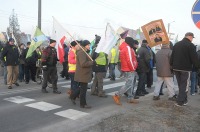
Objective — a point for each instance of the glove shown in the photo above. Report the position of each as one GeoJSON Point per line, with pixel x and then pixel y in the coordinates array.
{"type": "Point", "coordinates": [44, 68]}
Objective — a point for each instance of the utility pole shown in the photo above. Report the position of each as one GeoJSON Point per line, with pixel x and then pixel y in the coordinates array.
{"type": "Point", "coordinates": [39, 13]}
{"type": "Point", "coordinates": [169, 27]}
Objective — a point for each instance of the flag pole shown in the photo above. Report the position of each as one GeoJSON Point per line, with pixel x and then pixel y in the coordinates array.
{"type": "Point", "coordinates": [75, 41]}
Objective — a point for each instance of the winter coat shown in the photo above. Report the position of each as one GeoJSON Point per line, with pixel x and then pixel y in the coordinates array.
{"type": "Point", "coordinates": [12, 55]}
{"type": "Point", "coordinates": [30, 60]}
{"type": "Point", "coordinates": [83, 71]}
{"type": "Point", "coordinates": [163, 62]}
{"type": "Point", "coordinates": [49, 57]}
{"type": "Point", "coordinates": [143, 59]}
{"type": "Point", "coordinates": [184, 56]}
{"type": "Point", "coordinates": [128, 58]}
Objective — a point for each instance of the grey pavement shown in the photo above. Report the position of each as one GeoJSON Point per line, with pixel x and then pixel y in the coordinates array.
{"type": "Point", "coordinates": [25, 108]}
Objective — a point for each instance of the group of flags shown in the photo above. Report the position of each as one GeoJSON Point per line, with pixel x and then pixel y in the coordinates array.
{"type": "Point", "coordinates": [106, 43]}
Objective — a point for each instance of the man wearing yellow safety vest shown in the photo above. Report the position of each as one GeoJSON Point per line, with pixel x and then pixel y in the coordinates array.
{"type": "Point", "coordinates": [100, 72]}
{"type": "Point", "coordinates": [113, 59]}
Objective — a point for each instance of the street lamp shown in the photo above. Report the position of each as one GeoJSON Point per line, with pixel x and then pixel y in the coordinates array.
{"type": "Point", "coordinates": [169, 26]}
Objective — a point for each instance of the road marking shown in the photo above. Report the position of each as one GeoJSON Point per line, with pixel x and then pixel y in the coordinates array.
{"type": "Point", "coordinates": [110, 86]}
{"type": "Point", "coordinates": [105, 80]}
{"type": "Point", "coordinates": [19, 99]}
{"type": "Point", "coordinates": [71, 114]}
{"type": "Point", "coordinates": [43, 106]}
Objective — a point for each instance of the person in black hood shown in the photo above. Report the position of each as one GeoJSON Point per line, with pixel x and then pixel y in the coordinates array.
{"type": "Point", "coordinates": [184, 57]}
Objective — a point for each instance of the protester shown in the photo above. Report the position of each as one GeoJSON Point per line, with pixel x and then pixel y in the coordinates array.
{"type": "Point", "coordinates": [64, 72]}
{"type": "Point", "coordinates": [144, 67]}
{"type": "Point", "coordinates": [100, 72]}
{"type": "Point", "coordinates": [151, 64]}
{"type": "Point", "coordinates": [12, 62]}
{"type": "Point", "coordinates": [83, 73]}
{"type": "Point", "coordinates": [113, 58]}
{"type": "Point", "coordinates": [184, 56]}
{"type": "Point", "coordinates": [21, 63]}
{"type": "Point", "coordinates": [49, 60]}
{"type": "Point", "coordinates": [164, 73]}
{"type": "Point", "coordinates": [128, 66]}
{"type": "Point", "coordinates": [4, 67]}
{"type": "Point", "coordinates": [72, 68]}
{"type": "Point", "coordinates": [30, 64]}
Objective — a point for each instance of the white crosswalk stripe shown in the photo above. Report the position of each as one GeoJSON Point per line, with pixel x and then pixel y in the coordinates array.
{"type": "Point", "coordinates": [43, 106]}
{"type": "Point", "coordinates": [72, 114]}
{"type": "Point", "coordinates": [105, 80]}
{"type": "Point", "coordinates": [19, 99]}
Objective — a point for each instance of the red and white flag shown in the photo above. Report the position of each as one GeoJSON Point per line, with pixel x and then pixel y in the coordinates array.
{"type": "Point", "coordinates": [59, 34]}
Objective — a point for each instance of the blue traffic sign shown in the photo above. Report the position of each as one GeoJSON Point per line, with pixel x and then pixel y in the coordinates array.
{"type": "Point", "coordinates": [196, 13]}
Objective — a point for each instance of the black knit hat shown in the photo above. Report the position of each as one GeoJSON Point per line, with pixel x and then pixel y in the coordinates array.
{"type": "Point", "coordinates": [85, 42]}
{"type": "Point", "coordinates": [73, 43]}
{"type": "Point", "coordinates": [144, 41]}
{"type": "Point", "coordinates": [11, 39]}
{"type": "Point", "coordinates": [52, 41]}
{"type": "Point", "coordinates": [136, 42]}
{"type": "Point", "coordinates": [129, 41]}
{"type": "Point", "coordinates": [28, 43]}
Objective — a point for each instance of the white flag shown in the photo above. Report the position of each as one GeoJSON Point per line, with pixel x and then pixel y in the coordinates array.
{"type": "Point", "coordinates": [59, 34]}
{"type": "Point", "coordinates": [107, 41]}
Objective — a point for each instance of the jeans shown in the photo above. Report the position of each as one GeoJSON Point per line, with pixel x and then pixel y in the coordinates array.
{"type": "Point", "coordinates": [5, 74]}
{"type": "Point", "coordinates": [74, 87]}
{"type": "Point", "coordinates": [112, 70]}
{"type": "Point", "coordinates": [129, 85]}
{"type": "Point", "coordinates": [193, 82]}
{"type": "Point", "coordinates": [21, 72]}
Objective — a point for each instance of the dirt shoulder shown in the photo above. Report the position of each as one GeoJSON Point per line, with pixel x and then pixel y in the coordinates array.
{"type": "Point", "coordinates": [152, 116]}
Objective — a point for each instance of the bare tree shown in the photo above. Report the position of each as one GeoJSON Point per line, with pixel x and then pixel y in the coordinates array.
{"type": "Point", "coordinates": [14, 27]}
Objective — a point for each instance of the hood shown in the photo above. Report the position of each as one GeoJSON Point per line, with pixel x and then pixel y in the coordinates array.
{"type": "Point", "coordinates": [123, 45]}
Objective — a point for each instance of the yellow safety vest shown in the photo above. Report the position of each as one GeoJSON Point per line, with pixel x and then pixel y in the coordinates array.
{"type": "Point", "coordinates": [101, 59]}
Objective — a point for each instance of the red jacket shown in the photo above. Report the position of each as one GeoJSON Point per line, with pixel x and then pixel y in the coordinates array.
{"type": "Point", "coordinates": [127, 57]}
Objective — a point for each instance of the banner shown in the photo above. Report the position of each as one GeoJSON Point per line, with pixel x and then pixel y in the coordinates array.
{"type": "Point", "coordinates": [155, 33]}
{"type": "Point", "coordinates": [107, 41]}
{"type": "Point", "coordinates": [38, 39]}
{"type": "Point", "coordinates": [59, 34]}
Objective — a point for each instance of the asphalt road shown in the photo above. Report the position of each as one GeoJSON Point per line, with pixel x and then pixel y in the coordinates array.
{"type": "Point", "coordinates": [26, 109]}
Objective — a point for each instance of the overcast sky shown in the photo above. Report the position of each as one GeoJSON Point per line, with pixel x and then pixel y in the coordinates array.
{"type": "Point", "coordinates": [89, 17]}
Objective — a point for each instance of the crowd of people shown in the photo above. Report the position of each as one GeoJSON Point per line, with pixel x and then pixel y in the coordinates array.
{"type": "Point", "coordinates": [82, 65]}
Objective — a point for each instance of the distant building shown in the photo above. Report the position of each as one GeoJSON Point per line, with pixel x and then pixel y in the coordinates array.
{"type": "Point", "coordinates": [24, 38]}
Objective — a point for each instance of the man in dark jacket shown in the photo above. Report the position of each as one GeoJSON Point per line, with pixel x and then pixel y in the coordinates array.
{"type": "Point", "coordinates": [49, 60]}
{"type": "Point", "coordinates": [144, 67]}
{"type": "Point", "coordinates": [64, 72]}
{"type": "Point", "coordinates": [30, 64]}
{"type": "Point", "coordinates": [11, 53]}
{"type": "Point", "coordinates": [183, 58]}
